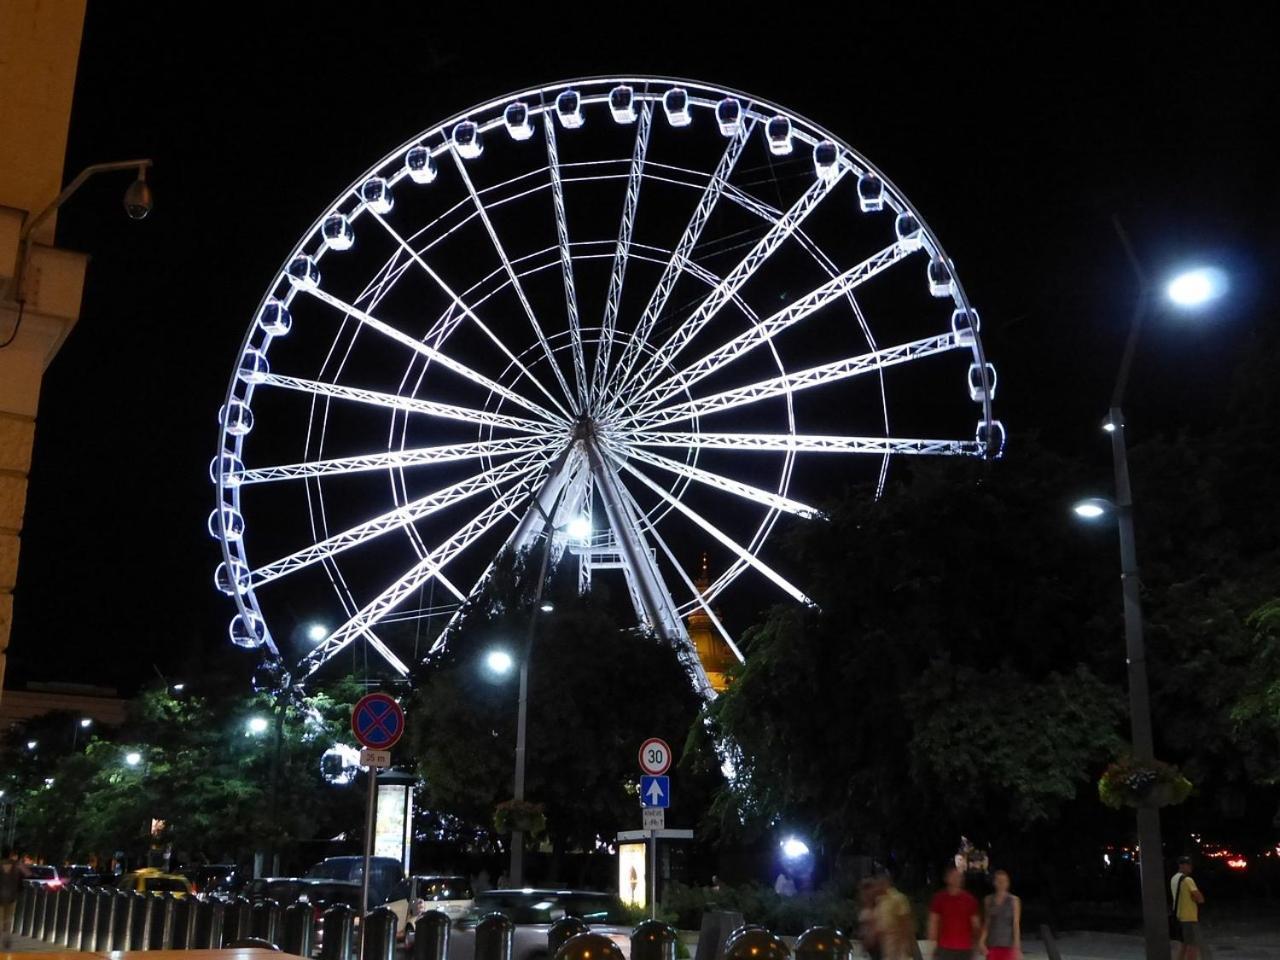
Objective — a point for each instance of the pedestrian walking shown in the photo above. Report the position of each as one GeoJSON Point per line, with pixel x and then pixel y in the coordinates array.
{"type": "Point", "coordinates": [1001, 937]}
{"type": "Point", "coordinates": [868, 935]}
{"type": "Point", "coordinates": [953, 918]}
{"type": "Point", "coordinates": [12, 873]}
{"type": "Point", "coordinates": [1186, 909]}
{"type": "Point", "coordinates": [894, 924]}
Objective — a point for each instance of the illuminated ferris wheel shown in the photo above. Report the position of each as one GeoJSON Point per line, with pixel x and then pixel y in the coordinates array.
{"type": "Point", "coordinates": [634, 319]}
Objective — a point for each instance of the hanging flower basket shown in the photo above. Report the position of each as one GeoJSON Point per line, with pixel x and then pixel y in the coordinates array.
{"type": "Point", "coordinates": [519, 815]}
{"type": "Point", "coordinates": [1140, 783]}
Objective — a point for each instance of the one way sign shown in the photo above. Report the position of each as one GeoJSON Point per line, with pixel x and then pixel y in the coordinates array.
{"type": "Point", "coordinates": [655, 792]}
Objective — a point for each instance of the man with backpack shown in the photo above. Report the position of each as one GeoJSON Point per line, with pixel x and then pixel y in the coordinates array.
{"type": "Point", "coordinates": [1186, 910]}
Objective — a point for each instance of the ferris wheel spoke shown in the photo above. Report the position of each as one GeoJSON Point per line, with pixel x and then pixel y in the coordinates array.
{"type": "Point", "coordinates": [518, 288]}
{"type": "Point", "coordinates": [763, 331]}
{"type": "Point", "coordinates": [652, 532]}
{"type": "Point", "coordinates": [733, 281]}
{"type": "Point", "coordinates": [391, 401]}
{"type": "Point", "coordinates": [609, 324]}
{"type": "Point", "coordinates": [566, 262]}
{"type": "Point", "coordinates": [431, 566]}
{"type": "Point", "coordinates": [399, 518]}
{"type": "Point", "coordinates": [397, 459]}
{"type": "Point", "coordinates": [431, 353]}
{"type": "Point", "coordinates": [716, 185]}
{"type": "Point", "coordinates": [796, 380]}
{"type": "Point", "coordinates": [804, 443]}
{"type": "Point", "coordinates": [741, 552]}
{"type": "Point", "coordinates": [766, 498]}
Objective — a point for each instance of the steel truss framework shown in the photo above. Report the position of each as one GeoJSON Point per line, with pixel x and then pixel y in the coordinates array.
{"type": "Point", "coordinates": [586, 406]}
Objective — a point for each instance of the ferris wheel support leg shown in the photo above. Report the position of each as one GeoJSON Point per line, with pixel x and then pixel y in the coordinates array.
{"type": "Point", "coordinates": [650, 594]}
{"type": "Point", "coordinates": [535, 519]}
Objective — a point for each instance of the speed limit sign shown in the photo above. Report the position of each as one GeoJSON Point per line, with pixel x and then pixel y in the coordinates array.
{"type": "Point", "coordinates": [655, 757]}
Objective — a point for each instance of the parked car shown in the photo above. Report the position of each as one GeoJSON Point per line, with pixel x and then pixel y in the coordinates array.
{"type": "Point", "coordinates": [283, 890]}
{"type": "Point", "coordinates": [46, 875]}
{"type": "Point", "coordinates": [449, 894]}
{"type": "Point", "coordinates": [213, 877]}
{"type": "Point", "coordinates": [533, 912]}
{"type": "Point", "coordinates": [387, 886]}
{"type": "Point", "coordinates": [151, 880]}
{"type": "Point", "coordinates": [82, 874]}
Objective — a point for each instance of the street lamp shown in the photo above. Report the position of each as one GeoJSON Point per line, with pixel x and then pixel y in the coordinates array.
{"type": "Point", "coordinates": [133, 758]}
{"type": "Point", "coordinates": [179, 687]}
{"type": "Point", "coordinates": [317, 632]}
{"type": "Point", "coordinates": [256, 726]}
{"type": "Point", "coordinates": [1092, 509]}
{"type": "Point", "coordinates": [793, 848]}
{"type": "Point", "coordinates": [1188, 289]}
{"type": "Point", "coordinates": [499, 662]}
{"type": "Point", "coordinates": [31, 744]}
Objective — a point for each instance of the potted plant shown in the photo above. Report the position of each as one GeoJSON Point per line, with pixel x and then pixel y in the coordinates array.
{"type": "Point", "coordinates": [1136, 783]}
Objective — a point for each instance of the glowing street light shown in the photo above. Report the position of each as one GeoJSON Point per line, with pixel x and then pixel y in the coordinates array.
{"type": "Point", "coordinates": [1196, 287]}
{"type": "Point", "coordinates": [86, 723]}
{"type": "Point", "coordinates": [499, 662]}
{"type": "Point", "coordinates": [257, 726]}
{"type": "Point", "coordinates": [546, 606]}
{"type": "Point", "coordinates": [317, 632]}
{"type": "Point", "coordinates": [133, 758]}
{"type": "Point", "coordinates": [179, 687]}
{"type": "Point", "coordinates": [31, 744]}
{"type": "Point", "coordinates": [793, 848]}
{"type": "Point", "coordinates": [579, 528]}
{"type": "Point", "coordinates": [1091, 509]}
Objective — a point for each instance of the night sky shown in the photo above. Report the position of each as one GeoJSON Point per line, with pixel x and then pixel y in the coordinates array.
{"type": "Point", "coordinates": [1017, 138]}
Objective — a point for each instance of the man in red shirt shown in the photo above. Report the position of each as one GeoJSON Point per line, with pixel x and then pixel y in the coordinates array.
{"type": "Point", "coordinates": [953, 919]}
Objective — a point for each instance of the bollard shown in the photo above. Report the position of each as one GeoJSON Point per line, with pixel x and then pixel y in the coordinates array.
{"type": "Point", "coordinates": [562, 930]}
{"type": "Point", "coordinates": [299, 929]}
{"type": "Point", "coordinates": [161, 934]}
{"type": "Point", "coordinates": [379, 935]}
{"type": "Point", "coordinates": [335, 932]}
{"type": "Point", "coordinates": [140, 929]}
{"type": "Point", "coordinates": [237, 920]}
{"type": "Point", "coordinates": [655, 940]}
{"type": "Point", "coordinates": [211, 919]}
{"type": "Point", "coordinates": [121, 927]}
{"type": "Point", "coordinates": [1050, 943]}
{"type": "Point", "coordinates": [264, 921]}
{"type": "Point", "coordinates": [431, 936]}
{"type": "Point", "coordinates": [717, 927]}
{"type": "Point", "coordinates": [75, 919]}
{"type": "Point", "coordinates": [103, 941]}
{"type": "Point", "coordinates": [92, 906]}
{"type": "Point", "coordinates": [29, 907]}
{"type": "Point", "coordinates": [57, 908]}
{"type": "Point", "coordinates": [755, 943]}
{"type": "Point", "coordinates": [19, 907]}
{"type": "Point", "coordinates": [823, 943]}
{"type": "Point", "coordinates": [589, 946]}
{"type": "Point", "coordinates": [494, 934]}
{"type": "Point", "coordinates": [180, 927]}
{"type": "Point", "coordinates": [62, 924]}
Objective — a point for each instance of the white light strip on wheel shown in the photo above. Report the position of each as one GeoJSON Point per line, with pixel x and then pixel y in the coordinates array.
{"type": "Point", "coordinates": [740, 274]}
{"type": "Point", "coordinates": [431, 353]}
{"type": "Point", "coordinates": [398, 518]}
{"type": "Point", "coordinates": [739, 551]}
{"type": "Point", "coordinates": [679, 567]}
{"type": "Point", "coordinates": [517, 287]}
{"type": "Point", "coordinates": [397, 459]}
{"type": "Point", "coordinates": [803, 443]}
{"type": "Point", "coordinates": [766, 498]}
{"type": "Point", "coordinates": [797, 380]}
{"type": "Point", "coordinates": [680, 256]}
{"type": "Point", "coordinates": [361, 623]}
{"type": "Point", "coordinates": [566, 264]}
{"type": "Point", "coordinates": [772, 325]}
{"type": "Point", "coordinates": [392, 401]}
{"type": "Point", "coordinates": [616, 275]}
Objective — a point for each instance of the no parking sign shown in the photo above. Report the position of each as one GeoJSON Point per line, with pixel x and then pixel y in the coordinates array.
{"type": "Point", "coordinates": [377, 721]}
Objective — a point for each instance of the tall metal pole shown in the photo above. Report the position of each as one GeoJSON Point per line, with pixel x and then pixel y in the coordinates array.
{"type": "Point", "coordinates": [1150, 843]}
{"type": "Point", "coordinates": [517, 836]}
{"type": "Point", "coordinates": [369, 820]}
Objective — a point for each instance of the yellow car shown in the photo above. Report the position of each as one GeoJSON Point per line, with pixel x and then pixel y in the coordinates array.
{"type": "Point", "coordinates": [151, 880]}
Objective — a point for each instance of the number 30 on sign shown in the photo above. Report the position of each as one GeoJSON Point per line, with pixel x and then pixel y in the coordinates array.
{"type": "Point", "coordinates": [655, 757]}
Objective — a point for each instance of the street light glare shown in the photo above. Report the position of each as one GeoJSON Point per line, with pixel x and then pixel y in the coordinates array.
{"type": "Point", "coordinates": [1195, 288]}
{"type": "Point", "coordinates": [86, 723]}
{"type": "Point", "coordinates": [579, 528]}
{"type": "Point", "coordinates": [257, 725]}
{"type": "Point", "coordinates": [1090, 509]}
{"type": "Point", "coordinates": [499, 661]}
{"type": "Point", "coordinates": [793, 848]}
{"type": "Point", "coordinates": [133, 758]}
{"type": "Point", "coordinates": [31, 744]}
{"type": "Point", "coordinates": [317, 632]}
{"type": "Point", "coordinates": [546, 606]}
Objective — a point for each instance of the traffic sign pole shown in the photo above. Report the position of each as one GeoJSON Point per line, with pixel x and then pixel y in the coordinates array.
{"type": "Point", "coordinates": [378, 723]}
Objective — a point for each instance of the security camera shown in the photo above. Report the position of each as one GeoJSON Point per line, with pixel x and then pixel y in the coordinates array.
{"type": "Point", "coordinates": [137, 199]}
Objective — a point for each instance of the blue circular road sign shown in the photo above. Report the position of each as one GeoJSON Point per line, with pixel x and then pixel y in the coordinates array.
{"type": "Point", "coordinates": [377, 721]}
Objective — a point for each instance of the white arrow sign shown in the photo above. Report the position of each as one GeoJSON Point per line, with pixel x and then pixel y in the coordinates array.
{"type": "Point", "coordinates": [655, 794]}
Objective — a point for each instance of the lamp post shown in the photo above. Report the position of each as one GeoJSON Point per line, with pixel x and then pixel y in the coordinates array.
{"type": "Point", "coordinates": [1189, 289]}
{"type": "Point", "coordinates": [499, 661]}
